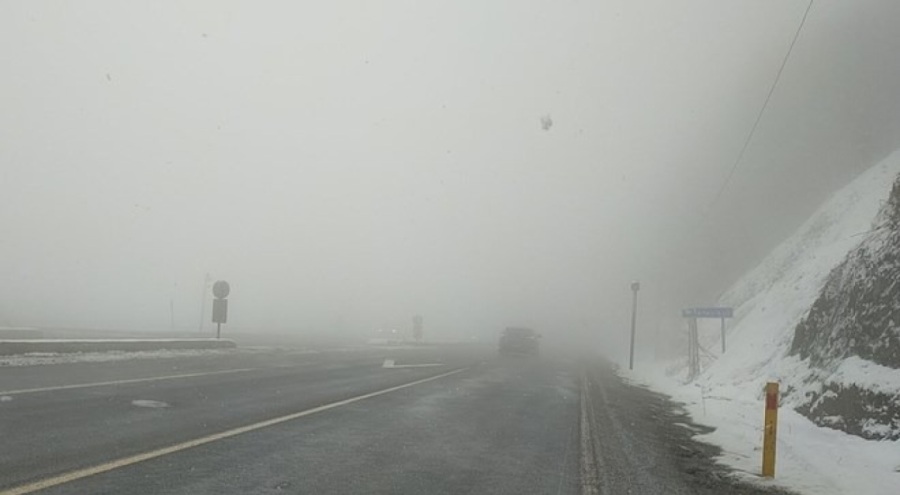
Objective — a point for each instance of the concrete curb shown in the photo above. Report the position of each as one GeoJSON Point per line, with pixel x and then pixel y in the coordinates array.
{"type": "Point", "coordinates": [13, 347]}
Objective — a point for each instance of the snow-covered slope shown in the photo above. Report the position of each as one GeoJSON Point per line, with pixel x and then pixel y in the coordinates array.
{"type": "Point", "coordinates": [851, 336]}
{"type": "Point", "coordinates": [770, 301]}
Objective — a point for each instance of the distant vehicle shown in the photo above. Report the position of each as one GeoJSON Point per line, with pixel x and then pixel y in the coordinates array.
{"type": "Point", "coordinates": [521, 341]}
{"type": "Point", "coordinates": [386, 336]}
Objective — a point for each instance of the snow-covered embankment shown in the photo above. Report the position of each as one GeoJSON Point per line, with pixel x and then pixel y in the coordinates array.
{"type": "Point", "coordinates": [770, 302]}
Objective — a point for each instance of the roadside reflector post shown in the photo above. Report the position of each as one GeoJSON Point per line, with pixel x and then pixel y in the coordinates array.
{"type": "Point", "coordinates": [770, 430]}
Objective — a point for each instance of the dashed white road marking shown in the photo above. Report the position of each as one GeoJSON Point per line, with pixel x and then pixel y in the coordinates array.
{"type": "Point", "coordinates": [127, 461]}
{"type": "Point", "coordinates": [390, 363]}
{"type": "Point", "coordinates": [121, 382]}
{"type": "Point", "coordinates": [153, 404]}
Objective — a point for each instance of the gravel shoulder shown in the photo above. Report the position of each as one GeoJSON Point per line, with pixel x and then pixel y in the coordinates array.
{"type": "Point", "coordinates": [644, 443]}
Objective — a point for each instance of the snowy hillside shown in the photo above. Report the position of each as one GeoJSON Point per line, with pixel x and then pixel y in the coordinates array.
{"type": "Point", "coordinates": [770, 302]}
{"type": "Point", "coordinates": [771, 299]}
{"type": "Point", "coordinates": [851, 336]}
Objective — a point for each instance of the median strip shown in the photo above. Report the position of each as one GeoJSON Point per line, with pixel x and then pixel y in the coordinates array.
{"type": "Point", "coordinates": [127, 461]}
{"type": "Point", "coordinates": [120, 382]}
{"type": "Point", "coordinates": [20, 347]}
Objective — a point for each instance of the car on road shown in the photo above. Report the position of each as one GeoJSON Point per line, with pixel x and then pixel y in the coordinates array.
{"type": "Point", "coordinates": [519, 341]}
{"type": "Point", "coordinates": [386, 336]}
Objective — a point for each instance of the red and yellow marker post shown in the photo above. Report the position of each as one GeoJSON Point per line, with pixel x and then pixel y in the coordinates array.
{"type": "Point", "coordinates": [770, 430]}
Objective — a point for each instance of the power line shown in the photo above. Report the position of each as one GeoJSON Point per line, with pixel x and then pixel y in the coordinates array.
{"type": "Point", "coordinates": [762, 110]}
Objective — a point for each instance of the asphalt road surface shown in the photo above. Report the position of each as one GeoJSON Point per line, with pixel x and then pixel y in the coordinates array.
{"type": "Point", "coordinates": [445, 419]}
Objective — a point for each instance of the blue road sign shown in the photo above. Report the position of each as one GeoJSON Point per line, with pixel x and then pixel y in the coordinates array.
{"type": "Point", "coordinates": [707, 312]}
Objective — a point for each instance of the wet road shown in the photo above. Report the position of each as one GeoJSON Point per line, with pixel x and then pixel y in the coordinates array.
{"type": "Point", "coordinates": [447, 419]}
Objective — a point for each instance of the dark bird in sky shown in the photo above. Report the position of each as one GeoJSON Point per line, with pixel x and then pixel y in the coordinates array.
{"type": "Point", "coordinates": [546, 122]}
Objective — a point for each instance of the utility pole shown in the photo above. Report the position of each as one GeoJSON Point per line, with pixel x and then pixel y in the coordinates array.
{"type": "Point", "coordinates": [635, 287]}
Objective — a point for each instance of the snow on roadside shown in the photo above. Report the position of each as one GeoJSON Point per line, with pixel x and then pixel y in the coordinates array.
{"type": "Point", "coordinates": [769, 301]}
{"type": "Point", "coordinates": [868, 375]}
{"type": "Point", "coordinates": [810, 459]}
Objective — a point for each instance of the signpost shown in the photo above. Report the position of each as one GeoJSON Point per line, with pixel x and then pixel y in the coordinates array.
{"type": "Point", "coordinates": [221, 289]}
{"type": "Point", "coordinates": [707, 312]}
{"type": "Point", "coordinates": [692, 314]}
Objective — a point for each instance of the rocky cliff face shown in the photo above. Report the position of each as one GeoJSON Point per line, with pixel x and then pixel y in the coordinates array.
{"type": "Point", "coordinates": [857, 317]}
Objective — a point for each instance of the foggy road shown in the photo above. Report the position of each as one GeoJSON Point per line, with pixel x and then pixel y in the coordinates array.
{"type": "Point", "coordinates": [448, 419]}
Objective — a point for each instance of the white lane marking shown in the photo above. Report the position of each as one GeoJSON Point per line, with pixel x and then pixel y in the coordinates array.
{"type": "Point", "coordinates": [5, 398]}
{"type": "Point", "coordinates": [390, 363]}
{"type": "Point", "coordinates": [127, 461]}
{"type": "Point", "coordinates": [589, 474]}
{"type": "Point", "coordinates": [153, 404]}
{"type": "Point", "coordinates": [121, 382]}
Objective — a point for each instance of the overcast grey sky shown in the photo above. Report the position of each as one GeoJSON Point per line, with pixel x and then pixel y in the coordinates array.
{"type": "Point", "coordinates": [348, 164]}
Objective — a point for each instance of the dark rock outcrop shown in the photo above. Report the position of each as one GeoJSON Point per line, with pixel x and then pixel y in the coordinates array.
{"type": "Point", "coordinates": [857, 313]}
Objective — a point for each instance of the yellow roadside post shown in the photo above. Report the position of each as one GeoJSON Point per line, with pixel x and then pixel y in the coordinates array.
{"type": "Point", "coordinates": [770, 430]}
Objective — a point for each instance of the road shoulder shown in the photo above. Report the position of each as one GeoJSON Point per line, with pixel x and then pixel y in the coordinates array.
{"type": "Point", "coordinates": [642, 440]}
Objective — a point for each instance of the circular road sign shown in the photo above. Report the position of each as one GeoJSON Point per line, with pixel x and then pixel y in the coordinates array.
{"type": "Point", "coordinates": [221, 289]}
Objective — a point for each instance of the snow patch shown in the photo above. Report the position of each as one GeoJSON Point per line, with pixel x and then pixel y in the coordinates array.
{"type": "Point", "coordinates": [811, 459]}
{"type": "Point", "coordinates": [868, 375]}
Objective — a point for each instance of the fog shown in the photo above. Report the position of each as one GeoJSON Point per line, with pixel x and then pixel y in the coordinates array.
{"type": "Point", "coordinates": [345, 165]}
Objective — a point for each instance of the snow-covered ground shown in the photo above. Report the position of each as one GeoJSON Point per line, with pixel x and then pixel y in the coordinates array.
{"type": "Point", "coordinates": [769, 301]}
{"type": "Point", "coordinates": [810, 459]}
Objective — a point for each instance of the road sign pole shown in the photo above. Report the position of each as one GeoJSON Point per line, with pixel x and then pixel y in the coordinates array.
{"type": "Point", "coordinates": [635, 286]}
{"type": "Point", "coordinates": [693, 350]}
{"type": "Point", "coordinates": [692, 314]}
{"type": "Point", "coordinates": [221, 289]}
{"type": "Point", "coordinates": [695, 353]}
{"type": "Point", "coordinates": [723, 335]}
{"type": "Point", "coordinates": [690, 349]}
